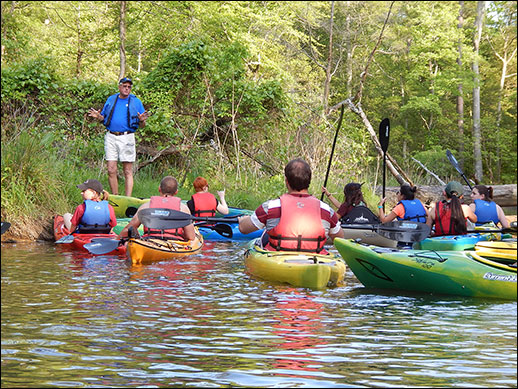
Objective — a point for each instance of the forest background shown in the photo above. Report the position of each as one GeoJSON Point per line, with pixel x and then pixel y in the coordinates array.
{"type": "Point", "coordinates": [238, 88]}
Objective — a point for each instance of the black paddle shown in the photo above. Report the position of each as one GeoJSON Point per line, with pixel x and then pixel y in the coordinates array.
{"type": "Point", "coordinates": [5, 227]}
{"type": "Point", "coordinates": [223, 229]}
{"type": "Point", "coordinates": [333, 149]}
{"type": "Point", "coordinates": [398, 230]}
{"type": "Point", "coordinates": [455, 164]}
{"type": "Point", "coordinates": [164, 219]}
{"type": "Point", "coordinates": [384, 132]}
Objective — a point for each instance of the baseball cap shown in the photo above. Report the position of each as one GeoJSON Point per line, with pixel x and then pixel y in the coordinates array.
{"type": "Point", "coordinates": [91, 184]}
{"type": "Point", "coordinates": [454, 187]}
{"type": "Point", "coordinates": [125, 79]}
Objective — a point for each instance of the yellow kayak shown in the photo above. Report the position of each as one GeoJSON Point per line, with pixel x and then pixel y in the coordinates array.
{"type": "Point", "coordinates": [147, 250]}
{"type": "Point", "coordinates": [497, 249]}
{"type": "Point", "coordinates": [299, 269]}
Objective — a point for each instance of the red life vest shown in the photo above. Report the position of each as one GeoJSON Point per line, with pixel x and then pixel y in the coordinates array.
{"type": "Point", "coordinates": [443, 221]}
{"type": "Point", "coordinates": [169, 202]}
{"type": "Point", "coordinates": [205, 204]}
{"type": "Point", "coordinates": [300, 226]}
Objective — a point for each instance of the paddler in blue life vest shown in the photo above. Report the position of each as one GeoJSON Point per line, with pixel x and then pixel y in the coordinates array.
{"type": "Point", "coordinates": [485, 208]}
{"type": "Point", "coordinates": [407, 207]}
{"type": "Point", "coordinates": [296, 221]}
{"type": "Point", "coordinates": [203, 203]}
{"type": "Point", "coordinates": [93, 215]}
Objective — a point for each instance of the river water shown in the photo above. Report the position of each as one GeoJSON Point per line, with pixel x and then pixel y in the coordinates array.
{"type": "Point", "coordinates": [76, 320]}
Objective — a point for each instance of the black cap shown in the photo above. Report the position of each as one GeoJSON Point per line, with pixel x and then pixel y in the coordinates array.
{"type": "Point", "coordinates": [91, 184]}
{"type": "Point", "coordinates": [125, 79]}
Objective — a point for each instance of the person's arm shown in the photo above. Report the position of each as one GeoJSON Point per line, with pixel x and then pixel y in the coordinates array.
{"type": "Point", "coordinates": [431, 216]}
{"type": "Point", "coordinates": [392, 214]}
{"type": "Point", "coordinates": [468, 213]}
{"type": "Point", "coordinates": [188, 230]}
{"type": "Point", "coordinates": [331, 198]}
{"type": "Point", "coordinates": [95, 114]}
{"type": "Point", "coordinates": [134, 222]}
{"type": "Point", "coordinates": [245, 224]}
{"type": "Point", "coordinates": [222, 206]}
{"type": "Point", "coordinates": [113, 218]}
{"type": "Point", "coordinates": [501, 217]}
{"type": "Point", "coordinates": [336, 232]}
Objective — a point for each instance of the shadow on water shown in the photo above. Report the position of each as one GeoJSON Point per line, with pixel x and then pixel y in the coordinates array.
{"type": "Point", "coordinates": [72, 319]}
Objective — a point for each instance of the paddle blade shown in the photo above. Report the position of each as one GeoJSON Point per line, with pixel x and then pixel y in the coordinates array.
{"type": "Point", "coordinates": [5, 226]}
{"type": "Point", "coordinates": [100, 246]}
{"type": "Point", "coordinates": [224, 230]}
{"type": "Point", "coordinates": [384, 132]}
{"type": "Point", "coordinates": [66, 239]}
{"type": "Point", "coordinates": [404, 231]}
{"type": "Point", "coordinates": [454, 162]}
{"type": "Point", "coordinates": [163, 218]}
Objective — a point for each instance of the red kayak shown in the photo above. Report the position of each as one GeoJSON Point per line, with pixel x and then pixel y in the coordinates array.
{"type": "Point", "coordinates": [79, 240]}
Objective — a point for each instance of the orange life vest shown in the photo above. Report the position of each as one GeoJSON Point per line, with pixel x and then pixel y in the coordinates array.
{"type": "Point", "coordinates": [205, 204]}
{"type": "Point", "coordinates": [300, 225]}
{"type": "Point", "coordinates": [169, 202]}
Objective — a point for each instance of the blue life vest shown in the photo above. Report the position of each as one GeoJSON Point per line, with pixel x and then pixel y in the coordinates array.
{"type": "Point", "coordinates": [414, 210]}
{"type": "Point", "coordinates": [96, 218]}
{"type": "Point", "coordinates": [132, 114]}
{"type": "Point", "coordinates": [486, 212]}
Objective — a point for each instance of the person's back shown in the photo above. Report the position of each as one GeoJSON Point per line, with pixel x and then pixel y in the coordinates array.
{"type": "Point", "coordinates": [485, 208]}
{"type": "Point", "coordinates": [407, 207]}
{"type": "Point", "coordinates": [297, 221]}
{"type": "Point", "coordinates": [450, 216]}
{"type": "Point", "coordinates": [203, 203]}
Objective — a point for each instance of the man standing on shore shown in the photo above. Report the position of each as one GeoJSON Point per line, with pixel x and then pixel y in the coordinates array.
{"type": "Point", "coordinates": [122, 114]}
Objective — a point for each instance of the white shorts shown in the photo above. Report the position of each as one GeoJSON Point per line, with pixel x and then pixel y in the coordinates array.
{"type": "Point", "coordinates": [119, 147]}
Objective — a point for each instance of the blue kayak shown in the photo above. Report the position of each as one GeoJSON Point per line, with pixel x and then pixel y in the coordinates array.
{"type": "Point", "coordinates": [211, 235]}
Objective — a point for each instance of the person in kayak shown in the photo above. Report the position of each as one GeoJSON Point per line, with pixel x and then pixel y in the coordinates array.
{"type": "Point", "coordinates": [93, 215]}
{"type": "Point", "coordinates": [450, 216]}
{"type": "Point", "coordinates": [407, 207]}
{"type": "Point", "coordinates": [203, 203]}
{"type": "Point", "coordinates": [485, 208]}
{"type": "Point", "coordinates": [296, 221]}
{"type": "Point", "coordinates": [168, 189]}
{"type": "Point", "coordinates": [354, 209]}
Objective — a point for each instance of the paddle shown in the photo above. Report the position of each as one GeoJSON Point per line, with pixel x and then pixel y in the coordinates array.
{"type": "Point", "coordinates": [99, 246]}
{"type": "Point", "coordinates": [221, 228]}
{"type": "Point", "coordinates": [398, 230]}
{"type": "Point", "coordinates": [5, 226]}
{"type": "Point", "coordinates": [333, 148]}
{"type": "Point", "coordinates": [455, 164]}
{"type": "Point", "coordinates": [384, 132]}
{"type": "Point", "coordinates": [164, 219]}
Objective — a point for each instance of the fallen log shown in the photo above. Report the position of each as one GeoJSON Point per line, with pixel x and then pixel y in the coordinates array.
{"type": "Point", "coordinates": [503, 195]}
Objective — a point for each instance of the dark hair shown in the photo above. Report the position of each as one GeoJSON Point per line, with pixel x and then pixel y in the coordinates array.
{"type": "Point", "coordinates": [169, 185]}
{"type": "Point", "coordinates": [353, 194]}
{"type": "Point", "coordinates": [486, 191]}
{"type": "Point", "coordinates": [298, 174]}
{"type": "Point", "coordinates": [407, 191]}
{"type": "Point", "coordinates": [457, 216]}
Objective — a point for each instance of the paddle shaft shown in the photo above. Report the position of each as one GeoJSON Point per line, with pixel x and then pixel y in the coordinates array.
{"type": "Point", "coordinates": [384, 133]}
{"type": "Point", "coordinates": [333, 149]}
{"type": "Point", "coordinates": [456, 165]}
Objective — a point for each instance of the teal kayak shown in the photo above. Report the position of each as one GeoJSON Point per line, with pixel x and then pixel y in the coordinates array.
{"type": "Point", "coordinates": [462, 273]}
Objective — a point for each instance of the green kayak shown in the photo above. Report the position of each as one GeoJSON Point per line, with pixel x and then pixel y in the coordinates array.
{"type": "Point", "coordinates": [462, 273]}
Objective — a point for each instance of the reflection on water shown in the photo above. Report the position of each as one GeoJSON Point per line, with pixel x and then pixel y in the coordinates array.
{"type": "Point", "coordinates": [75, 320]}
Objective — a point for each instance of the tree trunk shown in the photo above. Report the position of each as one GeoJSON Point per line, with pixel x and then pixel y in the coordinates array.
{"type": "Point", "coordinates": [460, 97]}
{"type": "Point", "coordinates": [122, 35]}
{"type": "Point", "coordinates": [327, 83]}
{"type": "Point", "coordinates": [476, 92]}
{"type": "Point", "coordinates": [503, 195]}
